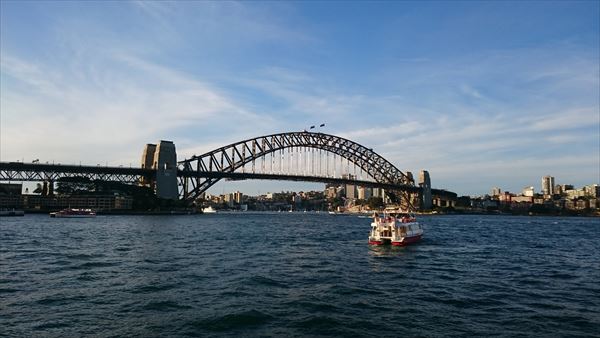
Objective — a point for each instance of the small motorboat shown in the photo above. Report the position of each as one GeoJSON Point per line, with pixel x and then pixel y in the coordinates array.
{"type": "Point", "coordinates": [74, 213]}
{"type": "Point", "coordinates": [395, 229]}
{"type": "Point", "coordinates": [209, 210]}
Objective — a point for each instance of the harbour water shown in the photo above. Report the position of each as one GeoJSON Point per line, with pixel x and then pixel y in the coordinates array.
{"type": "Point", "coordinates": [297, 274]}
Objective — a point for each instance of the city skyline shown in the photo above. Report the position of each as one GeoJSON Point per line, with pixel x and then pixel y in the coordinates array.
{"type": "Point", "coordinates": [479, 94]}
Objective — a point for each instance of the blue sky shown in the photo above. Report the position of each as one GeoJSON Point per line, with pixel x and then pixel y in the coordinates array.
{"type": "Point", "coordinates": [481, 94]}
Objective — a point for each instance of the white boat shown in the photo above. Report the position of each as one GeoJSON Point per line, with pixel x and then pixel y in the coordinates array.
{"type": "Point", "coordinates": [209, 210]}
{"type": "Point", "coordinates": [398, 230]}
{"type": "Point", "coordinates": [74, 213]}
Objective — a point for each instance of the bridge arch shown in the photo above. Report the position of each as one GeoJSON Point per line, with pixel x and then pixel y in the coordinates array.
{"type": "Point", "coordinates": [232, 157]}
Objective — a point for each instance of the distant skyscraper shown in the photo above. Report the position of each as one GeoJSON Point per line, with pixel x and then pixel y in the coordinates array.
{"type": "Point", "coordinates": [425, 184]}
{"type": "Point", "coordinates": [364, 193]}
{"type": "Point", "coordinates": [548, 185]}
{"type": "Point", "coordinates": [351, 192]}
{"type": "Point", "coordinates": [237, 197]}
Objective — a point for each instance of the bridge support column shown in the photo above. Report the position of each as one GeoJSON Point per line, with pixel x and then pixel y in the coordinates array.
{"type": "Point", "coordinates": [165, 163]}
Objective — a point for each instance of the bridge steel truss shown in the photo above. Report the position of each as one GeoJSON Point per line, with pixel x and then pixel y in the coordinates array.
{"type": "Point", "coordinates": [18, 171]}
{"type": "Point", "coordinates": [195, 177]}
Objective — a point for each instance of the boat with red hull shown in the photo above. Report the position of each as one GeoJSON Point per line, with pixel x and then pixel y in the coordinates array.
{"type": "Point", "coordinates": [398, 230]}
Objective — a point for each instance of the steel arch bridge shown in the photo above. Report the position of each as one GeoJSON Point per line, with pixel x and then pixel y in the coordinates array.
{"type": "Point", "coordinates": [196, 173]}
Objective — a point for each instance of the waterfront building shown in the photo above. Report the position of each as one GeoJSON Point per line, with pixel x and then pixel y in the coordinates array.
{"type": "Point", "coordinates": [496, 191]}
{"type": "Point", "coordinates": [378, 192]}
{"type": "Point", "coordinates": [548, 185]}
{"type": "Point", "coordinates": [528, 191]}
{"type": "Point", "coordinates": [574, 193]}
{"type": "Point", "coordinates": [592, 190]}
{"type": "Point", "coordinates": [41, 202]}
{"type": "Point", "coordinates": [558, 190]}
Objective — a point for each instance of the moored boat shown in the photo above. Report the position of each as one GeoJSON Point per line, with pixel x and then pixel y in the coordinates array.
{"type": "Point", "coordinates": [209, 210]}
{"type": "Point", "coordinates": [73, 213]}
{"type": "Point", "coordinates": [398, 230]}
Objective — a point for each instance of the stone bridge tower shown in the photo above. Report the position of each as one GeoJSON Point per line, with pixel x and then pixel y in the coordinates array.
{"type": "Point", "coordinates": [163, 159]}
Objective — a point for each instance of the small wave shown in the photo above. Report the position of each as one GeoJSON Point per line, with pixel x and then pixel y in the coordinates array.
{"type": "Point", "coordinates": [312, 306]}
{"type": "Point", "coordinates": [59, 300]}
{"type": "Point", "coordinates": [82, 256]}
{"type": "Point", "coordinates": [153, 288]}
{"type": "Point", "coordinates": [346, 290]}
{"type": "Point", "coordinates": [86, 277]}
{"type": "Point", "coordinates": [8, 290]}
{"type": "Point", "coordinates": [234, 293]}
{"type": "Point", "coordinates": [233, 321]}
{"type": "Point", "coordinates": [320, 324]}
{"type": "Point", "coordinates": [265, 281]}
{"type": "Point", "coordinates": [165, 306]}
{"type": "Point", "coordinates": [91, 265]}
{"type": "Point", "coordinates": [50, 325]}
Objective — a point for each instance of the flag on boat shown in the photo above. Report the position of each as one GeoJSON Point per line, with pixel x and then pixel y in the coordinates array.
{"type": "Point", "coordinates": [312, 127]}
{"type": "Point", "coordinates": [322, 125]}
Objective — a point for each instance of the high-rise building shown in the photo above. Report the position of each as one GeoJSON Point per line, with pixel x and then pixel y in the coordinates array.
{"type": "Point", "coordinates": [237, 197]}
{"type": "Point", "coordinates": [350, 188]}
{"type": "Point", "coordinates": [364, 193]}
{"type": "Point", "coordinates": [496, 191]}
{"type": "Point", "coordinates": [548, 185]}
{"type": "Point", "coordinates": [425, 184]}
{"type": "Point", "coordinates": [377, 192]}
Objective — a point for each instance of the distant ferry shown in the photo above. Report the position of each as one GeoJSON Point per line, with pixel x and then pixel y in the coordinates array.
{"type": "Point", "coordinates": [397, 230]}
{"type": "Point", "coordinates": [209, 210]}
{"type": "Point", "coordinates": [73, 213]}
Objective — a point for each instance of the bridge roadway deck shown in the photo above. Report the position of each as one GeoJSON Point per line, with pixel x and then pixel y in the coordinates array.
{"type": "Point", "coordinates": [19, 171]}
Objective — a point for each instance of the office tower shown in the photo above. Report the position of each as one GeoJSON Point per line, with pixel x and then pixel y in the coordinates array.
{"type": "Point", "coordinates": [548, 185]}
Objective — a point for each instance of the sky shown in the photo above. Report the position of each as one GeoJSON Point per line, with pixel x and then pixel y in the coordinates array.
{"type": "Point", "coordinates": [481, 94]}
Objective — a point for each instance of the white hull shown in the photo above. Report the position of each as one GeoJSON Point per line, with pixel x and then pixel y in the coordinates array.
{"type": "Point", "coordinates": [395, 231]}
{"type": "Point", "coordinates": [209, 210]}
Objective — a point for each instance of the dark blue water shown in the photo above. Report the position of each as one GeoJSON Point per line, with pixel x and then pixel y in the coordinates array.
{"type": "Point", "coordinates": [296, 274]}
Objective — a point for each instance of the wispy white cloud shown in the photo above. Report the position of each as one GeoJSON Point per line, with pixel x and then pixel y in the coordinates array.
{"type": "Point", "coordinates": [64, 117]}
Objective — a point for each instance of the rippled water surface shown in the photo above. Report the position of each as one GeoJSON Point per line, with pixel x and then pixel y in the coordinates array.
{"type": "Point", "coordinates": [293, 274]}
